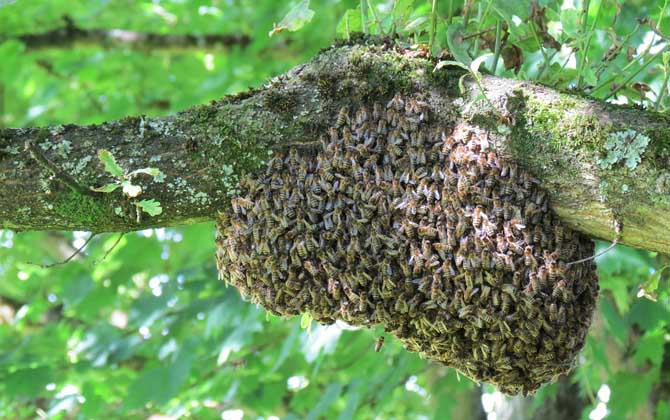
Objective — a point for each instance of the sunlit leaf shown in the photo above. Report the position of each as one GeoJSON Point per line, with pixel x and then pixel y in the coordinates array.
{"type": "Point", "coordinates": [130, 189]}
{"type": "Point", "coordinates": [330, 394]}
{"type": "Point", "coordinates": [457, 45]}
{"type": "Point", "coordinates": [349, 23]}
{"type": "Point", "coordinates": [650, 347]}
{"type": "Point", "coordinates": [107, 188]}
{"type": "Point", "coordinates": [151, 207]}
{"type": "Point", "coordinates": [295, 19]}
{"type": "Point", "coordinates": [649, 287]}
{"type": "Point", "coordinates": [110, 164]}
{"type": "Point", "coordinates": [402, 9]}
{"type": "Point", "coordinates": [149, 171]}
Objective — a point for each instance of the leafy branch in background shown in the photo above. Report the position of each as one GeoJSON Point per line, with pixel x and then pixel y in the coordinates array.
{"type": "Point", "coordinates": [124, 180]}
{"type": "Point", "coordinates": [297, 17]}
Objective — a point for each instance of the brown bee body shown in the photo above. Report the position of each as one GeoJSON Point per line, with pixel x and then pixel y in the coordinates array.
{"type": "Point", "coordinates": [379, 343]}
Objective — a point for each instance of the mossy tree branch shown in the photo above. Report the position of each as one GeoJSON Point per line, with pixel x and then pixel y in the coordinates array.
{"type": "Point", "coordinates": [598, 162]}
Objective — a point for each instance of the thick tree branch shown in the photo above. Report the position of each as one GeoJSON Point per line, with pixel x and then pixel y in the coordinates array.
{"type": "Point", "coordinates": [598, 162]}
{"type": "Point", "coordinates": [71, 35]}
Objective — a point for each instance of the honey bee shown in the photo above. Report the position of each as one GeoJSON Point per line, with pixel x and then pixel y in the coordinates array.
{"type": "Point", "coordinates": [559, 234]}
{"type": "Point", "coordinates": [469, 293]}
{"type": "Point", "coordinates": [477, 217]}
{"type": "Point", "coordinates": [342, 117]}
{"type": "Point", "coordinates": [553, 312]}
{"type": "Point", "coordinates": [533, 285]}
{"type": "Point", "coordinates": [490, 228]}
{"type": "Point", "coordinates": [396, 103]}
{"type": "Point", "coordinates": [466, 311]}
{"type": "Point", "coordinates": [401, 305]}
{"type": "Point", "coordinates": [501, 243]}
{"type": "Point", "coordinates": [379, 343]}
{"type": "Point", "coordinates": [552, 269]}
{"type": "Point", "coordinates": [240, 205]}
{"type": "Point", "coordinates": [506, 303]}
{"type": "Point", "coordinates": [311, 268]}
{"type": "Point", "coordinates": [561, 291]}
{"type": "Point", "coordinates": [529, 259]}
{"type": "Point", "coordinates": [462, 186]}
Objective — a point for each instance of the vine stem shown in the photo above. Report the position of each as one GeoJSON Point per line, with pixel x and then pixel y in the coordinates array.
{"type": "Point", "coordinates": [433, 25]}
{"type": "Point", "coordinates": [364, 15]}
{"type": "Point", "coordinates": [496, 54]}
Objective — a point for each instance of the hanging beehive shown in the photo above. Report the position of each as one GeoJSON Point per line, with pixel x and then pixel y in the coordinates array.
{"type": "Point", "coordinates": [424, 229]}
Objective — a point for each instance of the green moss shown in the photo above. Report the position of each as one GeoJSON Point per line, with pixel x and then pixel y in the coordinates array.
{"type": "Point", "coordinates": [80, 209]}
{"type": "Point", "coordinates": [568, 122]}
{"type": "Point", "coordinates": [280, 102]}
{"type": "Point", "coordinates": [327, 85]}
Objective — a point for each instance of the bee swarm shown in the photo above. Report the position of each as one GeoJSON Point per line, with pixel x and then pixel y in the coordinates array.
{"type": "Point", "coordinates": [401, 222]}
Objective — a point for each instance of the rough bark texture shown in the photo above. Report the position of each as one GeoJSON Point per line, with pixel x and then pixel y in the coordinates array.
{"type": "Point", "coordinates": [598, 162]}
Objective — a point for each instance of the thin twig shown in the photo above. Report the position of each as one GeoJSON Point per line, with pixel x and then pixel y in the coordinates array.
{"type": "Point", "coordinates": [56, 171]}
{"type": "Point", "coordinates": [110, 249]}
{"type": "Point", "coordinates": [617, 230]}
{"type": "Point", "coordinates": [68, 259]}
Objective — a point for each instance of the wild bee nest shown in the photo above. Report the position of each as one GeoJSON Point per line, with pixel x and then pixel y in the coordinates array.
{"type": "Point", "coordinates": [400, 222]}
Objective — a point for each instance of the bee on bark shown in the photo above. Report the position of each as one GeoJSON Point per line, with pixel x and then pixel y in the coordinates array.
{"type": "Point", "coordinates": [311, 268]}
{"type": "Point", "coordinates": [397, 103]}
{"type": "Point", "coordinates": [533, 285]}
{"type": "Point", "coordinates": [553, 312]}
{"type": "Point", "coordinates": [561, 291]}
{"type": "Point", "coordinates": [529, 259]}
{"type": "Point", "coordinates": [240, 205]}
{"type": "Point", "coordinates": [342, 117]}
{"type": "Point", "coordinates": [506, 303]}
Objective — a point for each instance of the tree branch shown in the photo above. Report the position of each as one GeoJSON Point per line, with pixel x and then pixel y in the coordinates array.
{"type": "Point", "coordinates": [70, 35]}
{"type": "Point", "coordinates": [599, 163]}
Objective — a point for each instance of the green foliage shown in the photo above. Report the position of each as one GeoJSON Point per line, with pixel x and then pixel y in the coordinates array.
{"type": "Point", "coordinates": [295, 19]}
{"type": "Point", "coordinates": [124, 181]}
{"type": "Point", "coordinates": [138, 325]}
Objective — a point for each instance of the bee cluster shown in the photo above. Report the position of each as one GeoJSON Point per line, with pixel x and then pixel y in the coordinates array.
{"type": "Point", "coordinates": [397, 221]}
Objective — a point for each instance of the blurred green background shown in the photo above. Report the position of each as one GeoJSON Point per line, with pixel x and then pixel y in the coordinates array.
{"type": "Point", "coordinates": [146, 331]}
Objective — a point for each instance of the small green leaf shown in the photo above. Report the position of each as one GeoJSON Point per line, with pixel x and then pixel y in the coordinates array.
{"type": "Point", "coordinates": [350, 22]}
{"type": "Point", "coordinates": [305, 320]}
{"type": "Point", "coordinates": [295, 19]}
{"type": "Point", "coordinates": [328, 397]}
{"type": "Point", "coordinates": [149, 171]}
{"type": "Point", "coordinates": [131, 190]}
{"type": "Point", "coordinates": [415, 25]}
{"type": "Point", "coordinates": [445, 63]}
{"type": "Point", "coordinates": [650, 347]}
{"type": "Point", "coordinates": [151, 207]}
{"type": "Point", "coordinates": [402, 10]}
{"type": "Point", "coordinates": [107, 188]}
{"type": "Point", "coordinates": [109, 161]}
{"type": "Point", "coordinates": [457, 46]}
{"type": "Point", "coordinates": [649, 287]}
{"type": "Point", "coordinates": [477, 62]}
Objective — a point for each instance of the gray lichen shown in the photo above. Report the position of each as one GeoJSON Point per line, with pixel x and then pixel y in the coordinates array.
{"type": "Point", "coordinates": [624, 146]}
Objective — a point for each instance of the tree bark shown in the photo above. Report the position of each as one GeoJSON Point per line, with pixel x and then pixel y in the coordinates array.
{"type": "Point", "coordinates": [598, 162]}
